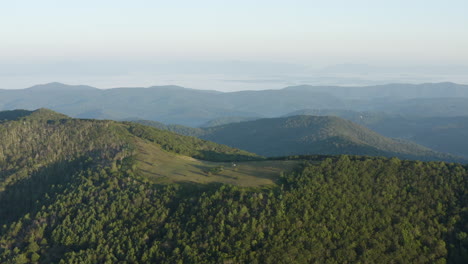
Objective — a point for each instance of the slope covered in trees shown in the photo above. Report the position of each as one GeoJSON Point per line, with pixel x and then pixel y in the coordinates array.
{"type": "Point", "coordinates": [339, 211]}
{"type": "Point", "coordinates": [316, 135]}
{"type": "Point", "coordinates": [306, 135]}
{"type": "Point", "coordinates": [444, 134]}
{"type": "Point", "coordinates": [41, 148]}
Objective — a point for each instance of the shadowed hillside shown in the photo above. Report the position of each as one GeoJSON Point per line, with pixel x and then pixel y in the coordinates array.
{"type": "Point", "coordinates": [443, 134]}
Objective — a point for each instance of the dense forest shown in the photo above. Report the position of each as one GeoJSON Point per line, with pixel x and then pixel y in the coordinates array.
{"type": "Point", "coordinates": [80, 199]}
{"type": "Point", "coordinates": [368, 211]}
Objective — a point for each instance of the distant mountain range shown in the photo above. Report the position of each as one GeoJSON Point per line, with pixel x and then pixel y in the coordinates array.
{"type": "Point", "coordinates": [433, 115]}
{"type": "Point", "coordinates": [178, 105]}
{"type": "Point", "coordinates": [307, 135]}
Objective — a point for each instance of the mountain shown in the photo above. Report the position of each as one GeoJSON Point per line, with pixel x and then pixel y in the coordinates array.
{"type": "Point", "coordinates": [309, 135]}
{"type": "Point", "coordinates": [60, 87]}
{"type": "Point", "coordinates": [42, 148]}
{"type": "Point", "coordinates": [444, 134]}
{"type": "Point", "coordinates": [99, 191]}
{"type": "Point", "coordinates": [44, 138]}
{"type": "Point", "coordinates": [178, 105]}
{"type": "Point", "coordinates": [164, 103]}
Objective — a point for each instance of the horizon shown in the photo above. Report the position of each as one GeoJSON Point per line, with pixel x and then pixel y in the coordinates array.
{"type": "Point", "coordinates": [232, 46]}
{"type": "Point", "coordinates": [190, 88]}
{"type": "Point", "coordinates": [237, 76]}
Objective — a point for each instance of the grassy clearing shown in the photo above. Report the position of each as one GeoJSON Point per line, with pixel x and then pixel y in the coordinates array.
{"type": "Point", "coordinates": [164, 167]}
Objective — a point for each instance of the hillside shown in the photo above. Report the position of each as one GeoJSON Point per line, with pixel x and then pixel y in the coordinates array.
{"type": "Point", "coordinates": [40, 149]}
{"type": "Point", "coordinates": [40, 141]}
{"type": "Point", "coordinates": [31, 139]}
{"type": "Point", "coordinates": [443, 134]}
{"type": "Point", "coordinates": [315, 135]}
{"type": "Point", "coordinates": [99, 191]}
{"type": "Point", "coordinates": [330, 135]}
{"type": "Point", "coordinates": [347, 210]}
{"type": "Point", "coordinates": [178, 105]}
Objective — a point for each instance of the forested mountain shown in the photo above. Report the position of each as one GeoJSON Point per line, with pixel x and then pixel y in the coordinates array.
{"type": "Point", "coordinates": [41, 148]}
{"type": "Point", "coordinates": [302, 135]}
{"type": "Point", "coordinates": [42, 143]}
{"type": "Point", "coordinates": [178, 105]}
{"type": "Point", "coordinates": [98, 191]}
{"type": "Point", "coordinates": [443, 134]}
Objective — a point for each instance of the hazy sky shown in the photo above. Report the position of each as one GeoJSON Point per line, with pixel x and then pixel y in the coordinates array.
{"type": "Point", "coordinates": [40, 37]}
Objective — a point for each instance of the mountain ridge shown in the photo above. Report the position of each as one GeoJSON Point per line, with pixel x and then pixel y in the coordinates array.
{"type": "Point", "coordinates": [178, 105]}
{"type": "Point", "coordinates": [308, 135]}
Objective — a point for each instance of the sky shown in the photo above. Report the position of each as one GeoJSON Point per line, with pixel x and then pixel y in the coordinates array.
{"type": "Point", "coordinates": [143, 42]}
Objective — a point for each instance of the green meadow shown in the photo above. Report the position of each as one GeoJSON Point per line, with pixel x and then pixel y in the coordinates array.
{"type": "Point", "coordinates": [161, 166]}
